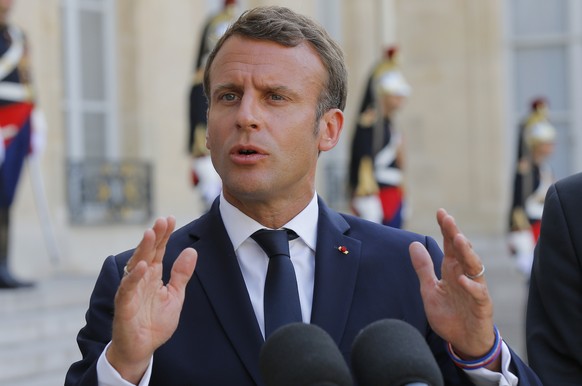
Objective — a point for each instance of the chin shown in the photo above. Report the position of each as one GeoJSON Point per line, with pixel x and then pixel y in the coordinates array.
{"type": "Point", "coordinates": [243, 187]}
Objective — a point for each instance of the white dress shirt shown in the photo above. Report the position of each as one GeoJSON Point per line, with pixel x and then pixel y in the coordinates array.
{"type": "Point", "coordinates": [253, 262]}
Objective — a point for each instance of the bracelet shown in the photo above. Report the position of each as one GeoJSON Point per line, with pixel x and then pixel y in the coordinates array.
{"type": "Point", "coordinates": [486, 360]}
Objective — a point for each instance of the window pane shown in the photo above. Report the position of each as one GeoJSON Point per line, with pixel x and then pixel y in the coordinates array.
{"type": "Point", "coordinates": [535, 17]}
{"type": "Point", "coordinates": [560, 160]}
{"type": "Point", "coordinates": [65, 50]}
{"type": "Point", "coordinates": [92, 55]}
{"type": "Point", "coordinates": [94, 134]}
{"type": "Point", "coordinates": [542, 72]}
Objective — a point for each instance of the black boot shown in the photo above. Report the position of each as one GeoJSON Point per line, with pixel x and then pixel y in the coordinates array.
{"type": "Point", "coordinates": [7, 281]}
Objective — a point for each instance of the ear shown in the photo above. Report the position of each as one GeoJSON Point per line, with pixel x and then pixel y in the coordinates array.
{"type": "Point", "coordinates": [330, 128]}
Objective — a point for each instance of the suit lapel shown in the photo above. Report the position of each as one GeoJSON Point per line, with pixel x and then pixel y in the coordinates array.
{"type": "Point", "coordinates": [220, 276]}
{"type": "Point", "coordinates": [335, 272]}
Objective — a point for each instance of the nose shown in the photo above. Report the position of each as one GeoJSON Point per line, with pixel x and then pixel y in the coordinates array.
{"type": "Point", "coordinates": [248, 115]}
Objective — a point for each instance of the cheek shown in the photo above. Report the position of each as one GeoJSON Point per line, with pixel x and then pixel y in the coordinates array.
{"type": "Point", "coordinates": [549, 149]}
{"type": "Point", "coordinates": [212, 131]}
{"type": "Point", "coordinates": [302, 141]}
{"type": "Point", "coordinates": [213, 140]}
{"type": "Point", "coordinates": [208, 139]}
{"type": "Point", "coordinates": [304, 148]}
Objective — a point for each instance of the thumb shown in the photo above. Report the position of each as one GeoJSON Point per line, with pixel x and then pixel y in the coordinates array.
{"type": "Point", "coordinates": [422, 263]}
{"type": "Point", "coordinates": [183, 268]}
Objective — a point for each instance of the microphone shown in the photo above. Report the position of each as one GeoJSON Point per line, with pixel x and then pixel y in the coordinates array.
{"type": "Point", "coordinates": [300, 354]}
{"type": "Point", "coordinates": [391, 352]}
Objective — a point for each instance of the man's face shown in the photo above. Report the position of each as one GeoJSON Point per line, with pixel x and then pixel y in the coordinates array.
{"type": "Point", "coordinates": [391, 103]}
{"type": "Point", "coordinates": [261, 120]}
{"type": "Point", "coordinates": [543, 150]}
{"type": "Point", "coordinates": [5, 6]}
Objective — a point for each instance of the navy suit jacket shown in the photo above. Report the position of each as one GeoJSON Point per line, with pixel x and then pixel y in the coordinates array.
{"type": "Point", "coordinates": [218, 339]}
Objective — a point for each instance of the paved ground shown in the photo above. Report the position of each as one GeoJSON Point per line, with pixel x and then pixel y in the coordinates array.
{"type": "Point", "coordinates": [42, 323]}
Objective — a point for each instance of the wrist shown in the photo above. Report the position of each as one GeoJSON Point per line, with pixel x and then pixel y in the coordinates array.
{"type": "Point", "coordinates": [486, 361]}
{"type": "Point", "coordinates": [131, 371]}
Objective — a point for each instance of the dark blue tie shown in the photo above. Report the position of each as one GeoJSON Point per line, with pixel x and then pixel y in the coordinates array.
{"type": "Point", "coordinates": [281, 300]}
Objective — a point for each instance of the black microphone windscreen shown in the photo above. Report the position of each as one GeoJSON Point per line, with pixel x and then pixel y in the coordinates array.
{"type": "Point", "coordinates": [391, 352]}
{"type": "Point", "coordinates": [300, 354]}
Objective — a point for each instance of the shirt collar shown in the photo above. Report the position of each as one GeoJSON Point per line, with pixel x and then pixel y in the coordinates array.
{"type": "Point", "coordinates": [240, 226]}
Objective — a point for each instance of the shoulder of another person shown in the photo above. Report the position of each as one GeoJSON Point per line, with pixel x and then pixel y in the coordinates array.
{"type": "Point", "coordinates": [571, 182]}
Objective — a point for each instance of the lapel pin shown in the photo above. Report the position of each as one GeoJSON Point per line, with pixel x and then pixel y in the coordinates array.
{"type": "Point", "coordinates": [343, 249]}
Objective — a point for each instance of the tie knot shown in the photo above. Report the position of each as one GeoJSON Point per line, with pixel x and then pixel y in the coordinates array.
{"type": "Point", "coordinates": [274, 242]}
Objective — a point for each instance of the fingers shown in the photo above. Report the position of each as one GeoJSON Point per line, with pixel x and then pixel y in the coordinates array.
{"type": "Point", "coordinates": [128, 285]}
{"type": "Point", "coordinates": [422, 263]}
{"type": "Point", "coordinates": [470, 262]}
{"type": "Point", "coordinates": [183, 269]}
{"type": "Point", "coordinates": [182, 272]}
{"type": "Point", "coordinates": [153, 243]}
{"type": "Point", "coordinates": [163, 227]}
{"type": "Point", "coordinates": [448, 227]}
{"type": "Point", "coordinates": [457, 246]}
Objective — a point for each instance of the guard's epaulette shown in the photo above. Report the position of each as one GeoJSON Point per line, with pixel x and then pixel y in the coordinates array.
{"type": "Point", "coordinates": [535, 117]}
{"type": "Point", "coordinates": [367, 118]}
{"type": "Point", "coordinates": [198, 76]}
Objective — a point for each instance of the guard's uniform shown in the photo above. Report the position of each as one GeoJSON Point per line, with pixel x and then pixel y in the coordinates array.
{"type": "Point", "coordinates": [376, 175]}
{"type": "Point", "coordinates": [16, 114]}
{"type": "Point", "coordinates": [533, 177]}
{"type": "Point", "coordinates": [376, 180]}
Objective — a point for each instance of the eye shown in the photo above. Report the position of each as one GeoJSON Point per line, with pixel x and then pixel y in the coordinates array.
{"type": "Point", "coordinates": [228, 97]}
{"type": "Point", "coordinates": [277, 97]}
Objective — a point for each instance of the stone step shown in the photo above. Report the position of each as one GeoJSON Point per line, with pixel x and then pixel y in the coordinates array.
{"type": "Point", "coordinates": [48, 293]}
{"type": "Point", "coordinates": [47, 378]}
{"type": "Point", "coordinates": [45, 324]}
{"type": "Point", "coordinates": [35, 358]}
{"type": "Point", "coordinates": [38, 327]}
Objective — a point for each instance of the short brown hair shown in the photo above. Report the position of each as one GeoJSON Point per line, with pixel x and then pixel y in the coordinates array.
{"type": "Point", "coordinates": [283, 26]}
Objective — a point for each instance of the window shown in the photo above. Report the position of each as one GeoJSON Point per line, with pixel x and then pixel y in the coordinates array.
{"type": "Point", "coordinates": [101, 187]}
{"type": "Point", "coordinates": [89, 76]}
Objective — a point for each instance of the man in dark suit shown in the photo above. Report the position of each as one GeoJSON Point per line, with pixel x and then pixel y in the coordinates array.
{"type": "Point", "coordinates": [554, 310]}
{"type": "Point", "coordinates": [276, 86]}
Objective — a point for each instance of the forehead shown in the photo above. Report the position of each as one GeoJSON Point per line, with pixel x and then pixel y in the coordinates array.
{"type": "Point", "coordinates": [266, 61]}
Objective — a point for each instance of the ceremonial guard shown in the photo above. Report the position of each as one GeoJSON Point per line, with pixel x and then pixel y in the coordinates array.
{"type": "Point", "coordinates": [17, 115]}
{"type": "Point", "coordinates": [376, 181]}
{"type": "Point", "coordinates": [204, 177]}
{"type": "Point", "coordinates": [533, 177]}
{"type": "Point", "coordinates": [538, 113]}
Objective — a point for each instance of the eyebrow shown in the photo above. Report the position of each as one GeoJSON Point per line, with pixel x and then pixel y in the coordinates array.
{"type": "Point", "coordinates": [274, 89]}
{"type": "Point", "coordinates": [283, 90]}
{"type": "Point", "coordinates": [224, 87]}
